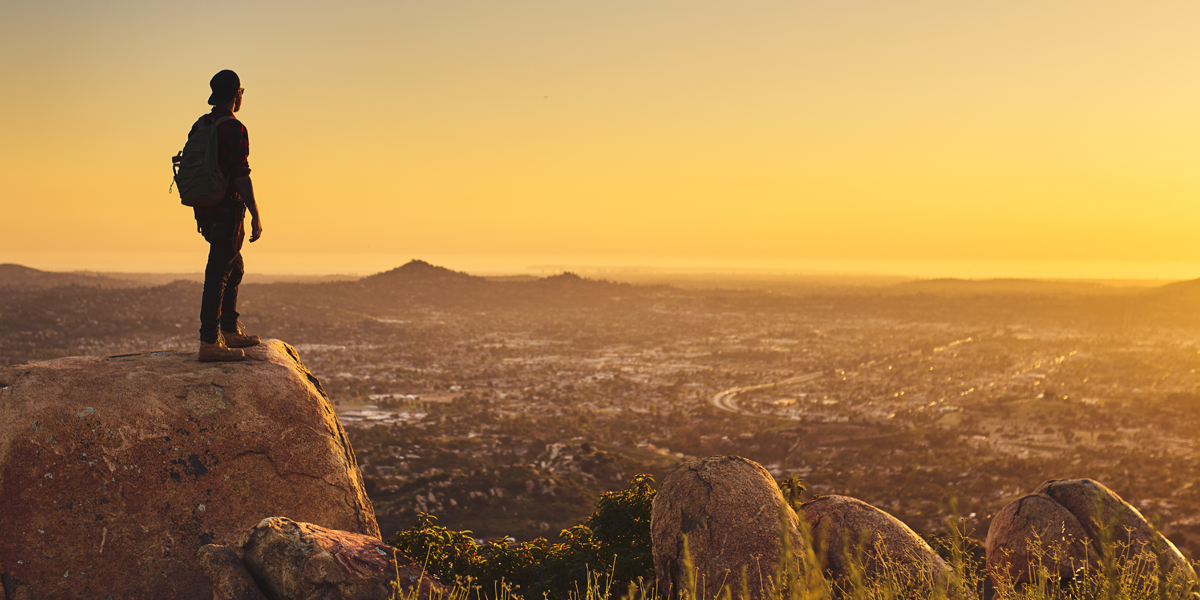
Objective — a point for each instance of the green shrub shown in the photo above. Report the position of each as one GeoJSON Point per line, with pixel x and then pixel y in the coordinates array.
{"type": "Point", "coordinates": [614, 541]}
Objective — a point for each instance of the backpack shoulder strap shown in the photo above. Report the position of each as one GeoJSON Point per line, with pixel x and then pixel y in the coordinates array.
{"type": "Point", "coordinates": [201, 121]}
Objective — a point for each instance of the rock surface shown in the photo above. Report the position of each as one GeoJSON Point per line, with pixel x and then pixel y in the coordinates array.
{"type": "Point", "coordinates": [301, 561]}
{"type": "Point", "coordinates": [840, 524]}
{"type": "Point", "coordinates": [114, 471]}
{"type": "Point", "coordinates": [1094, 504]}
{"type": "Point", "coordinates": [733, 515]}
{"type": "Point", "coordinates": [1072, 513]}
{"type": "Point", "coordinates": [1061, 541]}
{"type": "Point", "coordinates": [229, 578]}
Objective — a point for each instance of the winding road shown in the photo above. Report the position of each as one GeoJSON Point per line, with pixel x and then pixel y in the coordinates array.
{"type": "Point", "coordinates": [726, 400]}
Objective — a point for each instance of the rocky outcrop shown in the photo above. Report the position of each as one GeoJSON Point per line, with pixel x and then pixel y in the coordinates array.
{"type": "Point", "coordinates": [844, 528]}
{"type": "Point", "coordinates": [734, 519]}
{"type": "Point", "coordinates": [302, 561]}
{"type": "Point", "coordinates": [1068, 520]}
{"type": "Point", "coordinates": [114, 471]}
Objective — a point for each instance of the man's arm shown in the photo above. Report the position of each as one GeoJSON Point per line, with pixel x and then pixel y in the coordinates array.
{"type": "Point", "coordinates": [246, 191]}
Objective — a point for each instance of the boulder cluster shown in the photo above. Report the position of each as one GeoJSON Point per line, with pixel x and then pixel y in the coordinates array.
{"type": "Point", "coordinates": [721, 521]}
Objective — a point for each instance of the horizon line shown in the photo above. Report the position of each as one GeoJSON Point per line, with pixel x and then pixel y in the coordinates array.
{"type": "Point", "coordinates": [508, 266]}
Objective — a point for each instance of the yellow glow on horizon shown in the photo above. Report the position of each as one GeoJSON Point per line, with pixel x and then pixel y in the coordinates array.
{"type": "Point", "coordinates": [799, 133]}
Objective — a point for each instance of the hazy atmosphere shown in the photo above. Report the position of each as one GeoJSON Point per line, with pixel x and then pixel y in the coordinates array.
{"type": "Point", "coordinates": [600, 300]}
{"type": "Point", "coordinates": [931, 138]}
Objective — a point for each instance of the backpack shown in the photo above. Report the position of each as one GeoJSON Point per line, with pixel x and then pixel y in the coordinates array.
{"type": "Point", "coordinates": [197, 173]}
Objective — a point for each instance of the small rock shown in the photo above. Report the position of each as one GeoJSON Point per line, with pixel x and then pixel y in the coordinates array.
{"type": "Point", "coordinates": [302, 561]}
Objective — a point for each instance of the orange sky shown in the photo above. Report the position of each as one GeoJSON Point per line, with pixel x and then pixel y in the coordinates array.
{"type": "Point", "coordinates": [973, 139]}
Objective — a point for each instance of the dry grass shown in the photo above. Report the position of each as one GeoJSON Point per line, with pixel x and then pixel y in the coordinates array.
{"type": "Point", "coordinates": [1122, 573]}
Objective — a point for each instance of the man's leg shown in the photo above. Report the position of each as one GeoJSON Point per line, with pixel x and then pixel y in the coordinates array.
{"type": "Point", "coordinates": [230, 330]}
{"type": "Point", "coordinates": [229, 313]}
{"type": "Point", "coordinates": [223, 248]}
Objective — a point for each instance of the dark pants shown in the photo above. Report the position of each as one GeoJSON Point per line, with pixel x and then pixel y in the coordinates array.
{"type": "Point", "coordinates": [222, 276]}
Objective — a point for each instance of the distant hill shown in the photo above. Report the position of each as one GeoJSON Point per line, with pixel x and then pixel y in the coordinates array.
{"type": "Point", "coordinates": [1177, 301]}
{"type": "Point", "coordinates": [419, 271]}
{"type": "Point", "coordinates": [1179, 288]}
{"type": "Point", "coordinates": [13, 275]}
{"type": "Point", "coordinates": [1007, 287]}
{"type": "Point", "coordinates": [418, 284]}
{"type": "Point", "coordinates": [571, 286]}
{"type": "Point", "coordinates": [414, 285]}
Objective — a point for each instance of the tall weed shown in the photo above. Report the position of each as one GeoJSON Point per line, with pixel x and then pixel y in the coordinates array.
{"type": "Point", "coordinates": [506, 571]}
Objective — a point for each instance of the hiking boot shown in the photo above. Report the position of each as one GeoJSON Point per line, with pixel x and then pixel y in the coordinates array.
{"type": "Point", "coordinates": [218, 352]}
{"type": "Point", "coordinates": [238, 339]}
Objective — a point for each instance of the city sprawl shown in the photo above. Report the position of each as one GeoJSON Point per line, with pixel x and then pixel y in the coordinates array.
{"type": "Point", "coordinates": [507, 405]}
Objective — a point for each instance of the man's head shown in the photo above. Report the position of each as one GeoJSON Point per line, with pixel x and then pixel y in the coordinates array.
{"type": "Point", "coordinates": [226, 90]}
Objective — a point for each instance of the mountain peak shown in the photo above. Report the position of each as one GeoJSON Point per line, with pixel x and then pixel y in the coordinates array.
{"type": "Point", "coordinates": [19, 275]}
{"type": "Point", "coordinates": [419, 269]}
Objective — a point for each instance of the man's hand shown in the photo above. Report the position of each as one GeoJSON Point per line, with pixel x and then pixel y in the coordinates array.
{"type": "Point", "coordinates": [246, 191]}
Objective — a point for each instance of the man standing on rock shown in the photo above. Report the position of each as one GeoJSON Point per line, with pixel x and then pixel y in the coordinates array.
{"type": "Point", "coordinates": [221, 336]}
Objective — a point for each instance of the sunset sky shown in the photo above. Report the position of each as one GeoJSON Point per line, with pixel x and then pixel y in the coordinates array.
{"type": "Point", "coordinates": [929, 138]}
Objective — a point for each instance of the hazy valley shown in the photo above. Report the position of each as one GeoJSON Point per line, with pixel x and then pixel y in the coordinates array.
{"type": "Point", "coordinates": [505, 405]}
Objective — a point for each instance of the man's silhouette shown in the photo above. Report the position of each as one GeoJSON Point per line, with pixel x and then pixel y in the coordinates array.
{"type": "Point", "coordinates": [221, 336]}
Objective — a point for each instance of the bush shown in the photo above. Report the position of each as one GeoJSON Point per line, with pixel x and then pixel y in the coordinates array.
{"type": "Point", "coordinates": [615, 541]}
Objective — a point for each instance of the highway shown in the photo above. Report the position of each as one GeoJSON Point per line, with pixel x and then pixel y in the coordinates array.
{"type": "Point", "coordinates": [727, 400]}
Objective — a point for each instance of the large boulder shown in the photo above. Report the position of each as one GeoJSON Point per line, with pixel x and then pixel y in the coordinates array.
{"type": "Point", "coordinates": [302, 561]}
{"type": "Point", "coordinates": [1098, 507]}
{"type": "Point", "coordinates": [735, 521]}
{"type": "Point", "coordinates": [1034, 533]}
{"type": "Point", "coordinates": [845, 528]}
{"type": "Point", "coordinates": [114, 471]}
{"type": "Point", "coordinates": [1070, 521]}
